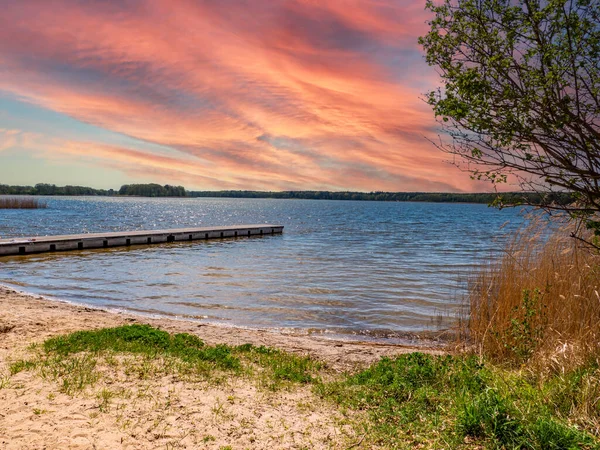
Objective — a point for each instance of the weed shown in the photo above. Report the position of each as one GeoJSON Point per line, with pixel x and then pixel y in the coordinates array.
{"type": "Point", "coordinates": [492, 415]}
{"type": "Point", "coordinates": [20, 365]}
{"type": "Point", "coordinates": [281, 368]}
{"type": "Point", "coordinates": [71, 359]}
{"type": "Point", "coordinates": [527, 325]}
{"type": "Point", "coordinates": [553, 435]}
{"type": "Point", "coordinates": [4, 382]}
{"type": "Point", "coordinates": [74, 373]}
{"type": "Point", "coordinates": [105, 397]}
{"type": "Point", "coordinates": [218, 408]}
{"type": "Point", "coordinates": [409, 401]}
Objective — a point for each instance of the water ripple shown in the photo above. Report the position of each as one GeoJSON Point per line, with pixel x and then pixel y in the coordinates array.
{"type": "Point", "coordinates": [360, 268]}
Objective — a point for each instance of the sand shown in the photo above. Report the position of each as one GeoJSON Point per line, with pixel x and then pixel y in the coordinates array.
{"type": "Point", "coordinates": [162, 411]}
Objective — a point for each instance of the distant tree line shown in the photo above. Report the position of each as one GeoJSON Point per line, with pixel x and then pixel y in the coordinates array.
{"type": "Point", "coordinates": [51, 189]}
{"type": "Point", "coordinates": [141, 190]}
{"type": "Point", "coordinates": [438, 197]}
{"type": "Point", "coordinates": [156, 190]}
{"type": "Point", "coordinates": [152, 190]}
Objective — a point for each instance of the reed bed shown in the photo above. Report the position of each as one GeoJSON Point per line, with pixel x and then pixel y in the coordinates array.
{"type": "Point", "coordinates": [539, 303]}
{"type": "Point", "coordinates": [21, 203]}
{"type": "Point", "coordinates": [535, 312]}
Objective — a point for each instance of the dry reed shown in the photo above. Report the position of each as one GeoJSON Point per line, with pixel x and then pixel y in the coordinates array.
{"type": "Point", "coordinates": [21, 203]}
{"type": "Point", "coordinates": [539, 303]}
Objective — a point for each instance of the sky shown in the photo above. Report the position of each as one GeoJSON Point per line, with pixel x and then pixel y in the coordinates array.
{"type": "Point", "coordinates": [227, 94]}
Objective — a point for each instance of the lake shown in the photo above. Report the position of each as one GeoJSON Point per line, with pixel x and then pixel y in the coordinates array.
{"type": "Point", "coordinates": [362, 270]}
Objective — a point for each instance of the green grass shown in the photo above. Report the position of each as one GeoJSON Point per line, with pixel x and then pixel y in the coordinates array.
{"type": "Point", "coordinates": [144, 340]}
{"type": "Point", "coordinates": [281, 368]}
{"type": "Point", "coordinates": [413, 400]}
{"type": "Point", "coordinates": [448, 401]}
{"type": "Point", "coordinates": [21, 365]}
{"type": "Point", "coordinates": [72, 359]}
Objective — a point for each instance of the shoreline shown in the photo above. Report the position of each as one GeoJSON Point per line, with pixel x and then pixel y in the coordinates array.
{"type": "Point", "coordinates": [426, 339]}
{"type": "Point", "coordinates": [136, 405]}
{"type": "Point", "coordinates": [33, 318]}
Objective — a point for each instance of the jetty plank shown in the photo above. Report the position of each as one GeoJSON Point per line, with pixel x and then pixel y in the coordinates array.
{"type": "Point", "coordinates": [42, 244]}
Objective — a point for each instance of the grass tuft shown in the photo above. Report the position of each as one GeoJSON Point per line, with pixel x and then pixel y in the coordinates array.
{"type": "Point", "coordinates": [20, 366]}
{"type": "Point", "coordinates": [71, 359]}
{"type": "Point", "coordinates": [145, 340]}
{"type": "Point", "coordinates": [281, 367]}
{"type": "Point", "coordinates": [491, 415]}
{"type": "Point", "coordinates": [553, 435]}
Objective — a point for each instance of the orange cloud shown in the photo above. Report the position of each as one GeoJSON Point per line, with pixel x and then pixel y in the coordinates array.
{"type": "Point", "coordinates": [247, 95]}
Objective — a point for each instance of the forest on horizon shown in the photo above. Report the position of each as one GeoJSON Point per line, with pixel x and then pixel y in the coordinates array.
{"type": "Point", "coordinates": [157, 190]}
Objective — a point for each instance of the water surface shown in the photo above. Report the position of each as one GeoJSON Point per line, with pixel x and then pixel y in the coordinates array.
{"type": "Point", "coordinates": [377, 269]}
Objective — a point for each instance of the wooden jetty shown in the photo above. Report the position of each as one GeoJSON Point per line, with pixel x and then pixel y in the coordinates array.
{"type": "Point", "coordinates": [42, 244]}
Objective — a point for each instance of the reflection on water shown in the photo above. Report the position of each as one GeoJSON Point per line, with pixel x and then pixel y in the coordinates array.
{"type": "Point", "coordinates": [365, 268]}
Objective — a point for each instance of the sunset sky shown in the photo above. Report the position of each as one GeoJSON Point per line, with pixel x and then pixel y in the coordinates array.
{"type": "Point", "coordinates": [227, 94]}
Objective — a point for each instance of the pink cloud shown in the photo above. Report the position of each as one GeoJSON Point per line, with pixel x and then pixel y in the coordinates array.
{"type": "Point", "coordinates": [14, 138]}
{"type": "Point", "coordinates": [260, 95]}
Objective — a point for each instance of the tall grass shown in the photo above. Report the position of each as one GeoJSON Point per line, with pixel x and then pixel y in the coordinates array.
{"type": "Point", "coordinates": [539, 303]}
{"type": "Point", "coordinates": [21, 203]}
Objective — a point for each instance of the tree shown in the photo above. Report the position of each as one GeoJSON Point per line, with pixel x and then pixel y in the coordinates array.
{"type": "Point", "coordinates": [520, 95]}
{"type": "Point", "coordinates": [152, 190]}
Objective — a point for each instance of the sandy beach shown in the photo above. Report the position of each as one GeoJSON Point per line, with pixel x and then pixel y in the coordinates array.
{"type": "Point", "coordinates": [164, 411]}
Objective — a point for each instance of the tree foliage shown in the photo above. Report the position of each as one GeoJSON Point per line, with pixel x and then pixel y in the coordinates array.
{"type": "Point", "coordinates": [152, 190]}
{"type": "Point", "coordinates": [520, 95]}
{"type": "Point", "coordinates": [434, 197]}
{"type": "Point", "coordinates": [51, 189]}
{"type": "Point", "coordinates": [156, 190]}
{"type": "Point", "coordinates": [142, 190]}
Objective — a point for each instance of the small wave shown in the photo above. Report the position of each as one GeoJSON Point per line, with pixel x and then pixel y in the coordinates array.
{"type": "Point", "coordinates": [7, 283]}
